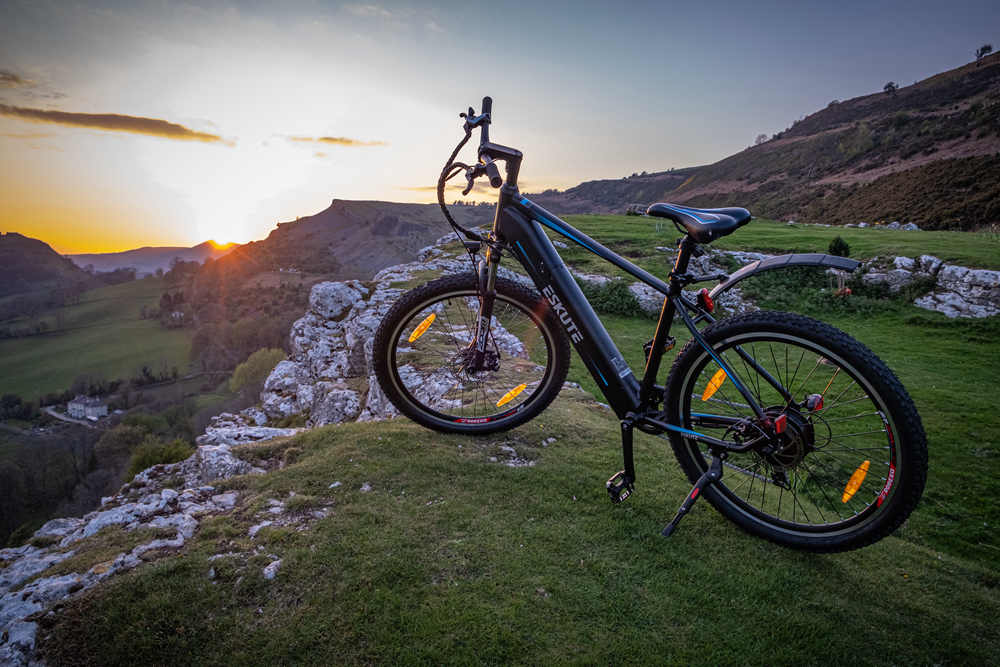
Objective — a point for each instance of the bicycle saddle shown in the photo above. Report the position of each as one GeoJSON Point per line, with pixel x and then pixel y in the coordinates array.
{"type": "Point", "coordinates": [703, 224]}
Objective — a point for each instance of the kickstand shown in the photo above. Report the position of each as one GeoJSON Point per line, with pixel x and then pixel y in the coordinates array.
{"type": "Point", "coordinates": [713, 474]}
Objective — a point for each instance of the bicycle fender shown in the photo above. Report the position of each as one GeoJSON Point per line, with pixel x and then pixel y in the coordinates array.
{"type": "Point", "coordinates": [781, 262]}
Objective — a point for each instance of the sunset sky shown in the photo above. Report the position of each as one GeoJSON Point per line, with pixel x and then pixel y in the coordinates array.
{"type": "Point", "coordinates": [161, 123]}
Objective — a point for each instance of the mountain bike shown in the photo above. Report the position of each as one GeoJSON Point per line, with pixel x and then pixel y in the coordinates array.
{"type": "Point", "coordinates": [789, 427]}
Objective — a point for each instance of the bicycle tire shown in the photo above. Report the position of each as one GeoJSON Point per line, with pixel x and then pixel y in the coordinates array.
{"type": "Point", "coordinates": [818, 474]}
{"type": "Point", "coordinates": [455, 298]}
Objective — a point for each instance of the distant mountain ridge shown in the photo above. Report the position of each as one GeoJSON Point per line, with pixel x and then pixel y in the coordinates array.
{"type": "Point", "coordinates": [348, 239]}
{"type": "Point", "coordinates": [148, 259]}
{"type": "Point", "coordinates": [928, 153]}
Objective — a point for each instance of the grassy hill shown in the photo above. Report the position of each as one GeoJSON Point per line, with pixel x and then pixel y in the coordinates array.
{"type": "Point", "coordinates": [453, 557]}
{"type": "Point", "coordinates": [928, 153]}
{"type": "Point", "coordinates": [29, 266]}
{"type": "Point", "coordinates": [101, 335]}
{"type": "Point", "coordinates": [349, 239]}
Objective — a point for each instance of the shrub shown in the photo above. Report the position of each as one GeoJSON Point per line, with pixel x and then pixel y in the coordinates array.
{"type": "Point", "coordinates": [149, 423]}
{"type": "Point", "coordinates": [612, 298]}
{"type": "Point", "coordinates": [152, 452]}
{"type": "Point", "coordinates": [839, 247]}
{"type": "Point", "coordinates": [254, 371]}
{"type": "Point", "coordinates": [118, 442]}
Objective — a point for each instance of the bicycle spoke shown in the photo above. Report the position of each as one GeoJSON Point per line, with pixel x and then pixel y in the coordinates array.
{"type": "Point", "coordinates": [808, 477]}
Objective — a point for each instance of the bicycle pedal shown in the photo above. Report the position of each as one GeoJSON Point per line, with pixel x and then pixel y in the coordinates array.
{"type": "Point", "coordinates": [619, 487]}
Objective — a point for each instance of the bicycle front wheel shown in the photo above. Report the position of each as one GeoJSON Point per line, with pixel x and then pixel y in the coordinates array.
{"type": "Point", "coordinates": [425, 361]}
{"type": "Point", "coordinates": [851, 462]}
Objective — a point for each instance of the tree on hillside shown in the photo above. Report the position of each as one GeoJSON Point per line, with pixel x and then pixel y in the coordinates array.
{"type": "Point", "coordinates": [761, 138]}
{"type": "Point", "coordinates": [982, 52]}
{"type": "Point", "coordinates": [891, 88]}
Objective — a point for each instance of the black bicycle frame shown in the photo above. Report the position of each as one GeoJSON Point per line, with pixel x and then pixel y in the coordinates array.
{"type": "Point", "coordinates": [518, 226]}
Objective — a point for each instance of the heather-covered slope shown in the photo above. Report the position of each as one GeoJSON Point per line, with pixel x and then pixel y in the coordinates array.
{"type": "Point", "coordinates": [928, 153]}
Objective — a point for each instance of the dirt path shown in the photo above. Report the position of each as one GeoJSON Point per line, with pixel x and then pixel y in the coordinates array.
{"type": "Point", "coordinates": [60, 416]}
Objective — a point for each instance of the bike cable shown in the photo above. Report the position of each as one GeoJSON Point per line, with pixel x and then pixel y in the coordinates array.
{"type": "Point", "coordinates": [452, 169]}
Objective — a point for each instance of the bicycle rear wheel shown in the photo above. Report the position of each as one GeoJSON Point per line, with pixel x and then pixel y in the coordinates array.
{"type": "Point", "coordinates": [424, 358]}
{"type": "Point", "coordinates": [851, 463]}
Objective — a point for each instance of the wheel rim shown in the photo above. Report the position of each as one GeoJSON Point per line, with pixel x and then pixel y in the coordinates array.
{"type": "Point", "coordinates": [432, 371]}
{"type": "Point", "coordinates": [801, 486]}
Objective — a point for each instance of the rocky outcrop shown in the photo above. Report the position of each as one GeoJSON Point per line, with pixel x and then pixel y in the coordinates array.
{"type": "Point", "coordinates": [147, 502]}
{"type": "Point", "coordinates": [962, 292]}
{"type": "Point", "coordinates": [955, 291]}
{"type": "Point", "coordinates": [328, 375]}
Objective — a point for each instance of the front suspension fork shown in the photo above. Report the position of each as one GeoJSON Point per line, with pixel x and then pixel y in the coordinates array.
{"type": "Point", "coordinates": [487, 278]}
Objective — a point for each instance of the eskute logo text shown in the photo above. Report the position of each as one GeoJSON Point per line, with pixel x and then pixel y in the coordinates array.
{"type": "Point", "coordinates": [557, 305]}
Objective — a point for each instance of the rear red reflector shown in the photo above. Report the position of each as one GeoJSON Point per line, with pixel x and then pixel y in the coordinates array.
{"type": "Point", "coordinates": [780, 423]}
{"type": "Point", "coordinates": [705, 301]}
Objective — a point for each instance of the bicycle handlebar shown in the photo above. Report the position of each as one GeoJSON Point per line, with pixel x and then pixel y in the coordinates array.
{"type": "Point", "coordinates": [487, 112]}
{"type": "Point", "coordinates": [493, 173]}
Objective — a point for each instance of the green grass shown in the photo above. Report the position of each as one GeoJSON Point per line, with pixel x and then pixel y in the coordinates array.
{"type": "Point", "coordinates": [636, 238]}
{"type": "Point", "coordinates": [451, 558]}
{"type": "Point", "coordinates": [102, 335]}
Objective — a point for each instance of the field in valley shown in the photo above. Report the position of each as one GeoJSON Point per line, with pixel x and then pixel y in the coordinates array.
{"type": "Point", "coordinates": [102, 335]}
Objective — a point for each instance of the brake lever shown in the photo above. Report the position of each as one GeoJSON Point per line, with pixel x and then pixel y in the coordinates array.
{"type": "Point", "coordinates": [471, 174]}
{"type": "Point", "coordinates": [472, 121]}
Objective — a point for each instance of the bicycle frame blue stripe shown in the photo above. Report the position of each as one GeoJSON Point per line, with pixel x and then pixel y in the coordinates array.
{"type": "Point", "coordinates": [598, 370]}
{"type": "Point", "coordinates": [680, 429]}
{"type": "Point", "coordinates": [554, 227]}
{"type": "Point", "coordinates": [522, 250]}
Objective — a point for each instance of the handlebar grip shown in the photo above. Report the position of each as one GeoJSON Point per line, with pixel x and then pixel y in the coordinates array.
{"type": "Point", "coordinates": [493, 173]}
{"type": "Point", "coordinates": [487, 105]}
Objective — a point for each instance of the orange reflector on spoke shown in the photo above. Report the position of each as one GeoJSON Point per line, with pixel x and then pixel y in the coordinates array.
{"type": "Point", "coordinates": [422, 327]}
{"type": "Point", "coordinates": [714, 384]}
{"type": "Point", "coordinates": [511, 395]}
{"type": "Point", "coordinates": [854, 483]}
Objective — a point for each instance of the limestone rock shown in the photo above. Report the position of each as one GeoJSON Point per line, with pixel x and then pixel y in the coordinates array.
{"type": "Point", "coordinates": [331, 300]}
{"type": "Point", "coordinates": [650, 300]}
{"type": "Point", "coordinates": [964, 292]}
{"type": "Point", "coordinates": [271, 571]}
{"type": "Point", "coordinates": [334, 405]}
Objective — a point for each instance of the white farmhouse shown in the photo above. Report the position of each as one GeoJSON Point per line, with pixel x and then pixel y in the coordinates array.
{"type": "Point", "coordinates": [85, 407]}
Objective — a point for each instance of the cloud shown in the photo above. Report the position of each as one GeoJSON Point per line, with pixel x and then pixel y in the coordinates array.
{"type": "Point", "coordinates": [338, 141]}
{"type": "Point", "coordinates": [457, 185]}
{"type": "Point", "coordinates": [369, 10]}
{"type": "Point", "coordinates": [25, 135]}
{"type": "Point", "coordinates": [9, 79]}
{"type": "Point", "coordinates": [111, 122]}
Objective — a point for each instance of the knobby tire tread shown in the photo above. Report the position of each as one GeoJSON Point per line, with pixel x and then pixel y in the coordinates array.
{"type": "Point", "coordinates": [404, 307]}
{"type": "Point", "coordinates": [911, 436]}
